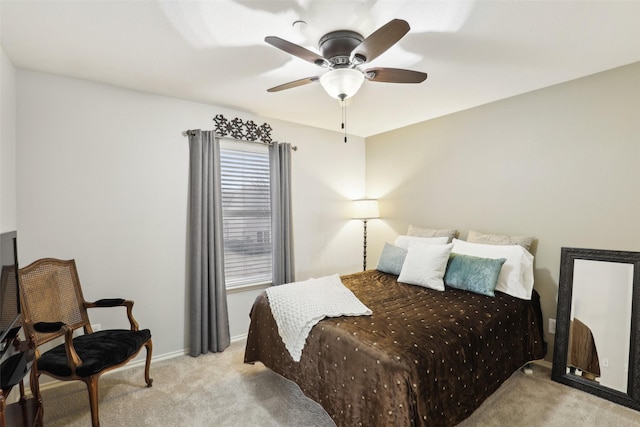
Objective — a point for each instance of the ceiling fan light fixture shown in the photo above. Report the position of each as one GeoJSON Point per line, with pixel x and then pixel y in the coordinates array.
{"type": "Point", "coordinates": [342, 83]}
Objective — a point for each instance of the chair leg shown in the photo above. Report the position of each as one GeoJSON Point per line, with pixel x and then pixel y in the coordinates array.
{"type": "Point", "coordinates": [34, 384]}
{"type": "Point", "coordinates": [149, 381]}
{"type": "Point", "coordinates": [92, 386]}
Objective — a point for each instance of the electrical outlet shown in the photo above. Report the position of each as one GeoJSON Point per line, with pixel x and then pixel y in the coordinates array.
{"type": "Point", "coordinates": [97, 327]}
{"type": "Point", "coordinates": [552, 326]}
{"type": "Point", "coordinates": [605, 363]}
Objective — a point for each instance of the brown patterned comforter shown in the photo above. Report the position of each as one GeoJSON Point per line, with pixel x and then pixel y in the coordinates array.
{"type": "Point", "coordinates": [424, 358]}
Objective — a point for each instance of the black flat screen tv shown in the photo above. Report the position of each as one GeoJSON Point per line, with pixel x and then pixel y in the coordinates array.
{"type": "Point", "coordinates": [9, 291]}
{"type": "Point", "coordinates": [15, 362]}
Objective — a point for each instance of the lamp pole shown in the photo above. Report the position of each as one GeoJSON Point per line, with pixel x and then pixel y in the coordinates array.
{"type": "Point", "coordinates": [365, 209]}
{"type": "Point", "coordinates": [364, 246]}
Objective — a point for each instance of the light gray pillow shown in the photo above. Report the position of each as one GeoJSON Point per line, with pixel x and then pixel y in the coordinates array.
{"type": "Point", "coordinates": [430, 232]}
{"type": "Point", "coordinates": [499, 239]}
{"type": "Point", "coordinates": [391, 259]}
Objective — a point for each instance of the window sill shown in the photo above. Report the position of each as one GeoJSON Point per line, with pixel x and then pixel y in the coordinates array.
{"type": "Point", "coordinates": [245, 288]}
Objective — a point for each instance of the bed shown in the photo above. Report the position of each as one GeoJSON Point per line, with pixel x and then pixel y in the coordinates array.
{"type": "Point", "coordinates": [423, 358]}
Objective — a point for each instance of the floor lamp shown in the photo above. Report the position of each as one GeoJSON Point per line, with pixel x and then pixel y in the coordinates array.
{"type": "Point", "coordinates": [365, 209]}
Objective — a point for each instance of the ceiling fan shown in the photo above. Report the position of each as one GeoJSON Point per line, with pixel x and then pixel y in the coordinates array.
{"type": "Point", "coordinates": [342, 52]}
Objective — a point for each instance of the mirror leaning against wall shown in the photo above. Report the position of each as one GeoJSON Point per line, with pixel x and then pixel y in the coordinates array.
{"type": "Point", "coordinates": [597, 342]}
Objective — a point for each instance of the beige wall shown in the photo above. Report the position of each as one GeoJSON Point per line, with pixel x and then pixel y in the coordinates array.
{"type": "Point", "coordinates": [561, 164]}
{"type": "Point", "coordinates": [7, 144]}
{"type": "Point", "coordinates": [102, 177]}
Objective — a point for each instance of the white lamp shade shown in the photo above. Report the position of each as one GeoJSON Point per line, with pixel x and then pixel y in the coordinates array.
{"type": "Point", "coordinates": [365, 209]}
{"type": "Point", "coordinates": [342, 83]}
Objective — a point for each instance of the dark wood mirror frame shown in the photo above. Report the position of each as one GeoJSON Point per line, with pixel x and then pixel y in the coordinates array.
{"type": "Point", "coordinates": [559, 372]}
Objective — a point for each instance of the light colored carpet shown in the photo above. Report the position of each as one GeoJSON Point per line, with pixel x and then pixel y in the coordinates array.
{"type": "Point", "coordinates": [220, 390]}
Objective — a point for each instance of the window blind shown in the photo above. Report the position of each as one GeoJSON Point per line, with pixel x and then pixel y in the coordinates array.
{"type": "Point", "coordinates": [246, 214]}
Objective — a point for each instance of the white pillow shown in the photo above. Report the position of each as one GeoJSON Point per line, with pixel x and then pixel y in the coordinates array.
{"type": "Point", "coordinates": [404, 241]}
{"type": "Point", "coordinates": [516, 275]}
{"type": "Point", "coordinates": [425, 265]}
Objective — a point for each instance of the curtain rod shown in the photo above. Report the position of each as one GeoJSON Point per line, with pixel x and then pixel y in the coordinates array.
{"type": "Point", "coordinates": [293, 147]}
{"type": "Point", "coordinates": [239, 130]}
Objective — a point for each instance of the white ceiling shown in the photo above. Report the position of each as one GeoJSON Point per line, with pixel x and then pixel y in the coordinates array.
{"type": "Point", "coordinates": [214, 52]}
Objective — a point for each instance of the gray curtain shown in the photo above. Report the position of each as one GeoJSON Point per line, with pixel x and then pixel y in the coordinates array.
{"type": "Point", "coordinates": [209, 320]}
{"type": "Point", "coordinates": [282, 227]}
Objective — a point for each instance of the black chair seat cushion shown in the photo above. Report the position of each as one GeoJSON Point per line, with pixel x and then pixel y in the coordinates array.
{"type": "Point", "coordinates": [97, 351]}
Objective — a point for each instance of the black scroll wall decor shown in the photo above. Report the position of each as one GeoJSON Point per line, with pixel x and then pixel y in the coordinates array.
{"type": "Point", "coordinates": [239, 129]}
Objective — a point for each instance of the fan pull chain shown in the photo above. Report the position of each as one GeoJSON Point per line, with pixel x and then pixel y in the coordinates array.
{"type": "Point", "coordinates": [344, 119]}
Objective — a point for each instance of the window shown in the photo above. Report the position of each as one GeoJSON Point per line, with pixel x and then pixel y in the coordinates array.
{"type": "Point", "coordinates": [246, 213]}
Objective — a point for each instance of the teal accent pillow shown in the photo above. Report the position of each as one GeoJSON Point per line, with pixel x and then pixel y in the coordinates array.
{"type": "Point", "coordinates": [391, 259]}
{"type": "Point", "coordinates": [474, 274]}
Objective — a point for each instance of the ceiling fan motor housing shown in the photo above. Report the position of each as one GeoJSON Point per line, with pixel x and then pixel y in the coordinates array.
{"type": "Point", "coordinates": [336, 46]}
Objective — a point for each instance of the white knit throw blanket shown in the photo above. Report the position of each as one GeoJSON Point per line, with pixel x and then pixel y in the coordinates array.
{"type": "Point", "coordinates": [298, 306]}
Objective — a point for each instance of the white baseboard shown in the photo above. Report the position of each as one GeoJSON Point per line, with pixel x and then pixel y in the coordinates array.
{"type": "Point", "coordinates": [544, 363]}
{"type": "Point", "coordinates": [50, 383]}
{"type": "Point", "coordinates": [239, 338]}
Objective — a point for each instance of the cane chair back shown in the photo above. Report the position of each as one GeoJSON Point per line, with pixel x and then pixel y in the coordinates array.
{"type": "Point", "coordinates": [51, 292]}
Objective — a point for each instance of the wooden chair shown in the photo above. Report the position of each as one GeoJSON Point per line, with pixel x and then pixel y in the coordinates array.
{"type": "Point", "coordinates": [53, 307]}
